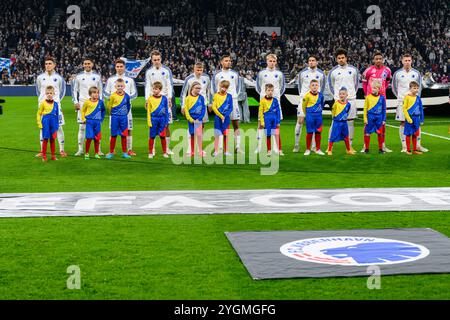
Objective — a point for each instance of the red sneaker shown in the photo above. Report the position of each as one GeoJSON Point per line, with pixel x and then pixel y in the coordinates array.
{"type": "Point", "coordinates": [39, 155]}
{"type": "Point", "coordinates": [54, 158]}
{"type": "Point", "coordinates": [63, 154]}
{"type": "Point", "coordinates": [131, 153]}
{"type": "Point", "coordinates": [44, 158]}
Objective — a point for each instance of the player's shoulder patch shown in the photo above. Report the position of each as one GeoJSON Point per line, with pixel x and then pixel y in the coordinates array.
{"type": "Point", "coordinates": [416, 71]}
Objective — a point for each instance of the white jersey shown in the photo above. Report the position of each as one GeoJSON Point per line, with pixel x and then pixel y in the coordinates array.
{"type": "Point", "coordinates": [344, 76]}
{"type": "Point", "coordinates": [163, 75]}
{"type": "Point", "coordinates": [304, 79]}
{"type": "Point", "coordinates": [205, 83]}
{"type": "Point", "coordinates": [270, 76]}
{"type": "Point", "coordinates": [130, 86]}
{"type": "Point", "coordinates": [81, 85]}
{"type": "Point", "coordinates": [55, 80]}
{"type": "Point", "coordinates": [401, 80]}
{"type": "Point", "coordinates": [229, 75]}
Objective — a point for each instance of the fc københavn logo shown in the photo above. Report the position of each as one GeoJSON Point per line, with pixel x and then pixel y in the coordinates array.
{"type": "Point", "coordinates": [354, 251]}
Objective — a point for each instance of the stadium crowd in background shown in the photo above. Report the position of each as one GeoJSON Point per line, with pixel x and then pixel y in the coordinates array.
{"type": "Point", "coordinates": [108, 32]}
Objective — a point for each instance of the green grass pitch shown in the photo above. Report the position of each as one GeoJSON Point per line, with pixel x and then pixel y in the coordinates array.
{"type": "Point", "coordinates": [189, 257]}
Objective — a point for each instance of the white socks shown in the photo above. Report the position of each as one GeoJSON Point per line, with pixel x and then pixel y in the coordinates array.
{"type": "Point", "coordinates": [100, 146]}
{"type": "Point", "coordinates": [130, 142]}
{"type": "Point", "coordinates": [237, 139]}
{"type": "Point", "coordinates": [275, 144]}
{"type": "Point", "coordinates": [401, 132]}
{"type": "Point", "coordinates": [189, 141]}
{"type": "Point", "coordinates": [60, 135]}
{"type": "Point", "coordinates": [259, 138]}
{"type": "Point", "coordinates": [351, 130]}
{"type": "Point", "coordinates": [40, 138]}
{"type": "Point", "coordinates": [313, 142]}
{"type": "Point", "coordinates": [81, 135]}
{"type": "Point", "coordinates": [298, 133]}
{"type": "Point", "coordinates": [221, 143]}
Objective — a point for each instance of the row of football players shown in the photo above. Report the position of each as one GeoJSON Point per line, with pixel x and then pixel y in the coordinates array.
{"type": "Point", "coordinates": [343, 75]}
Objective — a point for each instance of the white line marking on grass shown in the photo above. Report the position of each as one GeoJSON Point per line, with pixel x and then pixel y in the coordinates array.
{"type": "Point", "coordinates": [423, 132]}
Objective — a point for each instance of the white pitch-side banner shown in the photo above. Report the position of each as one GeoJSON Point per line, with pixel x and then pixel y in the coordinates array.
{"type": "Point", "coordinates": [224, 201]}
{"type": "Point", "coordinates": [155, 31]}
{"type": "Point", "coordinates": [267, 29]}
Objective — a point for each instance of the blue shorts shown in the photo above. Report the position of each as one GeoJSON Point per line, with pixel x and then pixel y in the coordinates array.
{"type": "Point", "coordinates": [313, 123]}
{"type": "Point", "coordinates": [374, 124]}
{"type": "Point", "coordinates": [270, 123]}
{"type": "Point", "coordinates": [119, 126]}
{"type": "Point", "coordinates": [219, 126]}
{"type": "Point", "coordinates": [158, 126]}
{"type": "Point", "coordinates": [412, 128]}
{"type": "Point", "coordinates": [49, 126]}
{"type": "Point", "coordinates": [339, 131]}
{"type": "Point", "coordinates": [193, 127]}
{"type": "Point", "coordinates": [93, 129]}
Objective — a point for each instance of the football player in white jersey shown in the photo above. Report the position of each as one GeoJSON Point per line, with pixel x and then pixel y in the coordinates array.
{"type": "Point", "coordinates": [270, 75]}
{"type": "Point", "coordinates": [130, 89]}
{"type": "Point", "coordinates": [80, 93]}
{"type": "Point", "coordinates": [205, 83]}
{"type": "Point", "coordinates": [400, 87]}
{"type": "Point", "coordinates": [161, 73]}
{"type": "Point", "coordinates": [304, 79]}
{"type": "Point", "coordinates": [345, 75]}
{"type": "Point", "coordinates": [226, 73]}
{"type": "Point", "coordinates": [44, 80]}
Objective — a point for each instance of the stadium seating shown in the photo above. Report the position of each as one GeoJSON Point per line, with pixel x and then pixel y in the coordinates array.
{"type": "Point", "coordinates": [30, 30]}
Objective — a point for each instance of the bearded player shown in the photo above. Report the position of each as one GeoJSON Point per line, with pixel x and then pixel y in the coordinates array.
{"type": "Point", "coordinates": [228, 74]}
{"type": "Point", "coordinates": [347, 76]}
{"type": "Point", "coordinates": [80, 94]}
{"type": "Point", "coordinates": [312, 72]}
{"type": "Point", "coordinates": [380, 74]}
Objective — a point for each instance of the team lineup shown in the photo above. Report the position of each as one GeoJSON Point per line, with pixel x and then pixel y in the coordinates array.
{"type": "Point", "coordinates": [201, 95]}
